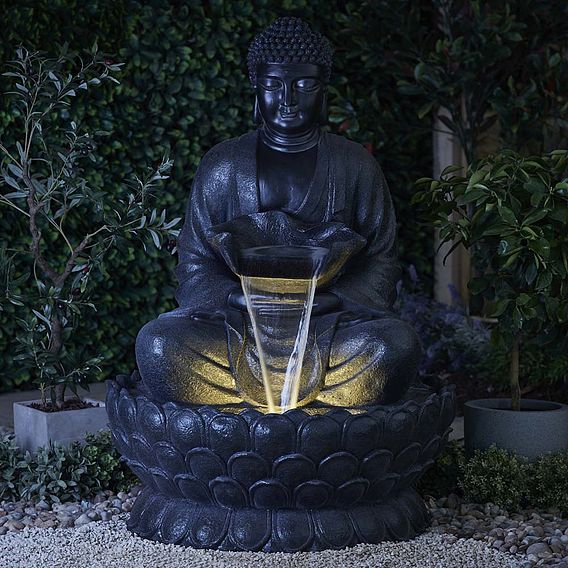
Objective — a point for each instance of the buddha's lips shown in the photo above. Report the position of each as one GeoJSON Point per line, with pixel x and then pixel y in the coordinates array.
{"type": "Point", "coordinates": [288, 114]}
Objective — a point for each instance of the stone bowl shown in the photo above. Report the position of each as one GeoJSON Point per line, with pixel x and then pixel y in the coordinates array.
{"type": "Point", "coordinates": [277, 482]}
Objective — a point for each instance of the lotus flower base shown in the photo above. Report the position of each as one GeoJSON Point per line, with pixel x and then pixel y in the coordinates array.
{"type": "Point", "coordinates": [278, 483]}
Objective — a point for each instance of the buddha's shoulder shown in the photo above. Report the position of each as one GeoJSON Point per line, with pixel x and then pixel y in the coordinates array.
{"type": "Point", "coordinates": [351, 151]}
{"type": "Point", "coordinates": [226, 153]}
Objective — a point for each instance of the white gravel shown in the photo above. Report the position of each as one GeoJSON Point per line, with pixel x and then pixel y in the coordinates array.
{"type": "Point", "coordinates": [109, 544]}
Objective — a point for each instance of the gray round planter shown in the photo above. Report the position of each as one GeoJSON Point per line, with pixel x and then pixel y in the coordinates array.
{"type": "Point", "coordinates": [540, 427]}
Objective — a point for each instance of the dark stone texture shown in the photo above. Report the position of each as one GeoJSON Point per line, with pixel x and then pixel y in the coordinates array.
{"type": "Point", "coordinates": [540, 427]}
{"type": "Point", "coordinates": [244, 480]}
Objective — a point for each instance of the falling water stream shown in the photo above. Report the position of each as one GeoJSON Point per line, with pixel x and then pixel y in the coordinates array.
{"type": "Point", "coordinates": [279, 291]}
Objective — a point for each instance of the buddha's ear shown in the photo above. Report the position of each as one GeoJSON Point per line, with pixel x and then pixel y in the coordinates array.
{"type": "Point", "coordinates": [323, 118]}
{"type": "Point", "coordinates": [256, 116]}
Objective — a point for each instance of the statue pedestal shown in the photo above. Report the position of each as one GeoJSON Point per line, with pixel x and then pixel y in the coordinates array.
{"type": "Point", "coordinates": [288, 482]}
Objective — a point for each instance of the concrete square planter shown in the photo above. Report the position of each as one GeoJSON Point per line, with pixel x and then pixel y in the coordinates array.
{"type": "Point", "coordinates": [34, 428]}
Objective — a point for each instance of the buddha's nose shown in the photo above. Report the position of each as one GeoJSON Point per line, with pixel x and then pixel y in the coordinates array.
{"type": "Point", "coordinates": [289, 96]}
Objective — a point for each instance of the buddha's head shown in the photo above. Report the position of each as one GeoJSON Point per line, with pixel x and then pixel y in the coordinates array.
{"type": "Point", "coordinates": [289, 68]}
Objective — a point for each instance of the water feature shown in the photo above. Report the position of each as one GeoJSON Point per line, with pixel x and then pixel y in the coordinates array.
{"type": "Point", "coordinates": [279, 284]}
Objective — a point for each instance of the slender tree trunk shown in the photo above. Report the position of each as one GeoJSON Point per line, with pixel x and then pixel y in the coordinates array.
{"type": "Point", "coordinates": [514, 375]}
{"type": "Point", "coordinates": [55, 345]}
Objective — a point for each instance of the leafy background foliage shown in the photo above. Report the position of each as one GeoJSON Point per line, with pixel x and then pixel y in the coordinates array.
{"type": "Point", "coordinates": [184, 88]}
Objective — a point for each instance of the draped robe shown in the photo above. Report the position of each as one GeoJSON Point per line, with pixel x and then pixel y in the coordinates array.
{"type": "Point", "coordinates": [202, 352]}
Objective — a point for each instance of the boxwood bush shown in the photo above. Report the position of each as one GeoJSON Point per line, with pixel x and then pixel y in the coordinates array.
{"type": "Point", "coordinates": [56, 473]}
{"type": "Point", "coordinates": [499, 477]}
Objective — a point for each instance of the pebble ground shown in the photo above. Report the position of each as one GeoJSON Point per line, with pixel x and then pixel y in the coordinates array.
{"type": "Point", "coordinates": [109, 544]}
{"type": "Point", "coordinates": [465, 534]}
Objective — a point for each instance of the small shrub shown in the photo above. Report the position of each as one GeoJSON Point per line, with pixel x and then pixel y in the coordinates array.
{"type": "Point", "coordinates": [59, 474]}
{"type": "Point", "coordinates": [443, 477]}
{"type": "Point", "coordinates": [495, 476]}
{"type": "Point", "coordinates": [548, 482]}
{"type": "Point", "coordinates": [104, 466]}
{"type": "Point", "coordinates": [9, 458]}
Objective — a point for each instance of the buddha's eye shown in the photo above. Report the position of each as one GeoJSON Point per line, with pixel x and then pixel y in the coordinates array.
{"type": "Point", "coordinates": [307, 85]}
{"type": "Point", "coordinates": [269, 83]}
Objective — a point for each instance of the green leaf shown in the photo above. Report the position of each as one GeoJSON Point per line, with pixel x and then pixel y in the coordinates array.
{"type": "Point", "coordinates": [544, 281]}
{"type": "Point", "coordinates": [534, 217]}
{"type": "Point", "coordinates": [470, 196]}
{"type": "Point", "coordinates": [507, 215]}
{"type": "Point", "coordinates": [500, 308]}
{"type": "Point", "coordinates": [531, 273]}
{"type": "Point", "coordinates": [156, 239]}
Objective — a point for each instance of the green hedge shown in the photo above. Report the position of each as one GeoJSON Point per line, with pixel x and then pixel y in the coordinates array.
{"type": "Point", "coordinates": [184, 88]}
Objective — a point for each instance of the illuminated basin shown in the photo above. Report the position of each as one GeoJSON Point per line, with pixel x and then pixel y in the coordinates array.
{"type": "Point", "coordinates": [302, 480]}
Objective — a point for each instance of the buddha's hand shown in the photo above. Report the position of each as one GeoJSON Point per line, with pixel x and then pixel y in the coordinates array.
{"type": "Point", "coordinates": [324, 302]}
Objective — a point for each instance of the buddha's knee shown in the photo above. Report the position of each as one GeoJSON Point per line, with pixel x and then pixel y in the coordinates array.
{"type": "Point", "coordinates": [402, 344]}
{"type": "Point", "coordinates": [372, 362]}
{"type": "Point", "coordinates": [156, 344]}
{"type": "Point", "coordinates": [184, 359]}
{"type": "Point", "coordinates": [402, 352]}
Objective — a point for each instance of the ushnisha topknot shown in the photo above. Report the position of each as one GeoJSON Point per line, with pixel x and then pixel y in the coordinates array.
{"type": "Point", "coordinates": [289, 40]}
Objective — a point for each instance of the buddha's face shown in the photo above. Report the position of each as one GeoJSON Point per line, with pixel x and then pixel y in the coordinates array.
{"type": "Point", "coordinates": [290, 96]}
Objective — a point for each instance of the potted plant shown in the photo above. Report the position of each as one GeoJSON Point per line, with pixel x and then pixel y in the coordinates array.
{"type": "Point", "coordinates": [46, 182]}
{"type": "Point", "coordinates": [511, 213]}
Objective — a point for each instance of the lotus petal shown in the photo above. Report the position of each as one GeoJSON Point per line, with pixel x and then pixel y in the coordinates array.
{"type": "Point", "coordinates": [312, 494]}
{"type": "Point", "coordinates": [448, 409]}
{"type": "Point", "coordinates": [247, 468]}
{"type": "Point", "coordinates": [164, 484]}
{"type": "Point", "coordinates": [127, 413]}
{"type": "Point", "coordinates": [269, 494]}
{"type": "Point", "coordinates": [250, 415]}
{"type": "Point", "coordinates": [430, 450]}
{"type": "Point", "coordinates": [250, 529]}
{"type": "Point", "coordinates": [335, 527]}
{"type": "Point", "coordinates": [396, 521]}
{"type": "Point", "coordinates": [338, 468]}
{"type": "Point", "coordinates": [111, 403]}
{"type": "Point", "coordinates": [406, 457]}
{"type": "Point", "coordinates": [186, 430]}
{"type": "Point", "coordinates": [141, 472]}
{"type": "Point", "coordinates": [293, 530]}
{"type": "Point", "coordinates": [169, 459]}
{"type": "Point", "coordinates": [120, 441]}
{"type": "Point", "coordinates": [193, 489]}
{"type": "Point", "coordinates": [381, 489]}
{"type": "Point", "coordinates": [340, 415]}
{"type": "Point", "coordinates": [228, 434]}
{"type": "Point", "coordinates": [175, 522]}
{"type": "Point", "coordinates": [205, 464]}
{"type": "Point", "coordinates": [228, 493]}
{"type": "Point", "coordinates": [151, 517]}
{"type": "Point", "coordinates": [142, 451]}
{"type": "Point", "coordinates": [351, 492]}
{"type": "Point", "coordinates": [360, 434]}
{"type": "Point", "coordinates": [293, 469]}
{"type": "Point", "coordinates": [151, 421]}
{"type": "Point", "coordinates": [210, 528]}
{"type": "Point", "coordinates": [274, 435]}
{"type": "Point", "coordinates": [319, 437]}
{"type": "Point", "coordinates": [368, 524]}
{"type": "Point", "coordinates": [376, 465]}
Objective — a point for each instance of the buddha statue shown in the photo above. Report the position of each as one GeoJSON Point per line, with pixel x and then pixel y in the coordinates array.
{"type": "Point", "coordinates": [289, 172]}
